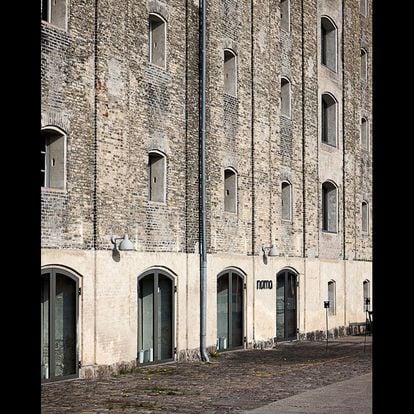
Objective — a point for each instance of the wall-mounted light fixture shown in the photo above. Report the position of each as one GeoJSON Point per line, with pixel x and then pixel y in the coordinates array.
{"type": "Point", "coordinates": [270, 251]}
{"type": "Point", "coordinates": [125, 244]}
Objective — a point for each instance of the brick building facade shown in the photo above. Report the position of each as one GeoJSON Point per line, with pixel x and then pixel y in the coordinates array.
{"type": "Point", "coordinates": [289, 159]}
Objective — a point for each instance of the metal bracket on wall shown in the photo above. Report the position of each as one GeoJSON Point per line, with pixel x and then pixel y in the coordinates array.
{"type": "Point", "coordinates": [79, 364]}
{"type": "Point", "coordinates": [80, 291]}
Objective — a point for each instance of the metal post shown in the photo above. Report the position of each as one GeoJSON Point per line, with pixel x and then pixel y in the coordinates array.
{"type": "Point", "coordinates": [366, 320]}
{"type": "Point", "coordinates": [326, 306]}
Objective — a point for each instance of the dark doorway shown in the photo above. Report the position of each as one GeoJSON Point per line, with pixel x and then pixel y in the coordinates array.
{"type": "Point", "coordinates": [229, 311]}
{"type": "Point", "coordinates": [286, 304]}
{"type": "Point", "coordinates": [155, 317]}
{"type": "Point", "coordinates": [59, 316]}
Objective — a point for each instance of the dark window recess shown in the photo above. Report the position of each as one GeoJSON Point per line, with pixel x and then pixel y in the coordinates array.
{"type": "Point", "coordinates": [329, 207]}
{"type": "Point", "coordinates": [156, 163]}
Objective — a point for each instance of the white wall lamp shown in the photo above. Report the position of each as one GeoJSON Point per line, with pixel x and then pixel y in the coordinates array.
{"type": "Point", "coordinates": [269, 251]}
{"type": "Point", "coordinates": [125, 244]}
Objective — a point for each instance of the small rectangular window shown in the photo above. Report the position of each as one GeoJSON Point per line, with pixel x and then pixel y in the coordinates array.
{"type": "Point", "coordinates": [230, 200]}
{"type": "Point", "coordinates": [285, 15]}
{"type": "Point", "coordinates": [157, 41]}
{"type": "Point", "coordinates": [364, 213]}
{"type": "Point", "coordinates": [285, 97]}
{"type": "Point", "coordinates": [52, 158]}
{"type": "Point", "coordinates": [230, 77]}
{"type": "Point", "coordinates": [156, 177]}
{"type": "Point", "coordinates": [332, 298]}
{"type": "Point", "coordinates": [329, 123]}
{"type": "Point", "coordinates": [54, 12]}
{"type": "Point", "coordinates": [328, 43]}
{"type": "Point", "coordinates": [366, 293]}
{"type": "Point", "coordinates": [364, 133]}
{"type": "Point", "coordinates": [329, 207]}
{"type": "Point", "coordinates": [363, 7]}
{"type": "Point", "coordinates": [286, 201]}
{"type": "Point", "coordinates": [364, 64]}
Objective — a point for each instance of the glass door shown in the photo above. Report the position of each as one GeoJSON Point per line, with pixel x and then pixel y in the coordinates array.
{"type": "Point", "coordinates": [286, 302]}
{"type": "Point", "coordinates": [155, 318]}
{"type": "Point", "coordinates": [59, 315]}
{"type": "Point", "coordinates": [229, 311]}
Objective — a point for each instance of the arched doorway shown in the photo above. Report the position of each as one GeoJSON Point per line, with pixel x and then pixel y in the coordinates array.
{"type": "Point", "coordinates": [286, 305]}
{"type": "Point", "coordinates": [155, 317]}
{"type": "Point", "coordinates": [59, 292]}
{"type": "Point", "coordinates": [230, 315]}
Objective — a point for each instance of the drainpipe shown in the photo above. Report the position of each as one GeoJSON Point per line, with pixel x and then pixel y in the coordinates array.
{"type": "Point", "coordinates": [203, 227]}
{"type": "Point", "coordinates": [95, 176]}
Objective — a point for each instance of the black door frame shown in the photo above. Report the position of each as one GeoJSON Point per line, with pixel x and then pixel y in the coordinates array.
{"type": "Point", "coordinates": [52, 295]}
{"type": "Point", "coordinates": [286, 272]}
{"type": "Point", "coordinates": [230, 272]}
{"type": "Point", "coordinates": [156, 272]}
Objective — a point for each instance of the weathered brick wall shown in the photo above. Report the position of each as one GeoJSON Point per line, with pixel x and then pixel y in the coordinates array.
{"type": "Point", "coordinates": [141, 107]}
{"type": "Point", "coordinates": [228, 126]}
{"type": "Point", "coordinates": [358, 103]}
{"type": "Point", "coordinates": [67, 103]}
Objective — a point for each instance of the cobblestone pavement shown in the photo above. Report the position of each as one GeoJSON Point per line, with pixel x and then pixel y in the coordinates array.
{"type": "Point", "coordinates": [233, 382]}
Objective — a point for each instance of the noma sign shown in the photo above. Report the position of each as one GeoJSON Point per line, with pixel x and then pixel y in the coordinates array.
{"type": "Point", "coordinates": [264, 284]}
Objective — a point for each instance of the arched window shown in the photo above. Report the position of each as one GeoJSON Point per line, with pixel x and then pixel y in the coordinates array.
{"type": "Point", "coordinates": [332, 297]}
{"type": "Point", "coordinates": [230, 190]}
{"type": "Point", "coordinates": [230, 72]}
{"type": "Point", "coordinates": [364, 64]}
{"type": "Point", "coordinates": [363, 5]}
{"type": "Point", "coordinates": [366, 289]}
{"type": "Point", "coordinates": [328, 118]}
{"type": "Point", "coordinates": [329, 207]}
{"type": "Point", "coordinates": [285, 97]}
{"type": "Point", "coordinates": [157, 40]}
{"type": "Point", "coordinates": [59, 291]}
{"type": "Point", "coordinates": [365, 216]}
{"type": "Point", "coordinates": [52, 158]}
{"type": "Point", "coordinates": [157, 176]}
{"type": "Point", "coordinates": [54, 12]}
{"type": "Point", "coordinates": [328, 43]}
{"type": "Point", "coordinates": [364, 133]}
{"type": "Point", "coordinates": [285, 15]}
{"type": "Point", "coordinates": [286, 201]}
